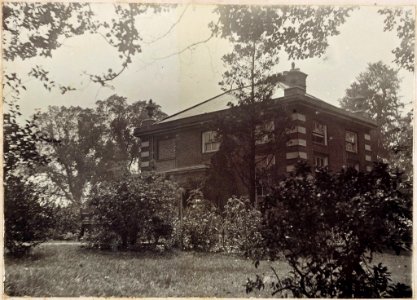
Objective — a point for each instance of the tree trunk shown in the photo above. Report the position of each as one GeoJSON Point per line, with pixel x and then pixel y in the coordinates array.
{"type": "Point", "coordinates": [252, 153]}
{"type": "Point", "coordinates": [124, 241]}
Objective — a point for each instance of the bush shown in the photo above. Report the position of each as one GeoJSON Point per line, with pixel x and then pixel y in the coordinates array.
{"type": "Point", "coordinates": [241, 226]}
{"type": "Point", "coordinates": [329, 225]}
{"type": "Point", "coordinates": [67, 223]}
{"type": "Point", "coordinates": [132, 208]}
{"type": "Point", "coordinates": [201, 224]}
{"type": "Point", "coordinates": [103, 240]}
{"type": "Point", "coordinates": [27, 217]}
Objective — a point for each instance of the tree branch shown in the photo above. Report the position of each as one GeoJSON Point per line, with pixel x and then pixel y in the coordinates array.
{"type": "Point", "coordinates": [170, 29]}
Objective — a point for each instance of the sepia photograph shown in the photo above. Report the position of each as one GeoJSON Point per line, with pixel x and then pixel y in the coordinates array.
{"type": "Point", "coordinates": [222, 150]}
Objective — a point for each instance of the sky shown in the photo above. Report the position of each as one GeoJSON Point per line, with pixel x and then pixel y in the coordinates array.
{"type": "Point", "coordinates": [177, 79]}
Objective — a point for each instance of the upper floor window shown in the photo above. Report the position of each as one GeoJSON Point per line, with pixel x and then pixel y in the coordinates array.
{"type": "Point", "coordinates": [264, 132]}
{"type": "Point", "coordinates": [166, 149]}
{"type": "Point", "coordinates": [264, 161]}
{"type": "Point", "coordinates": [210, 142]}
{"type": "Point", "coordinates": [319, 133]}
{"type": "Point", "coordinates": [351, 140]}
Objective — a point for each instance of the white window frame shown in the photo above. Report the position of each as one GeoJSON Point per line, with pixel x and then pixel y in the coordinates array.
{"type": "Point", "coordinates": [317, 131]}
{"type": "Point", "coordinates": [209, 141]}
{"type": "Point", "coordinates": [350, 142]}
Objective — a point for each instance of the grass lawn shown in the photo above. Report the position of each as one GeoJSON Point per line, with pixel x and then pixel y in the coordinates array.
{"type": "Point", "coordinates": [71, 271]}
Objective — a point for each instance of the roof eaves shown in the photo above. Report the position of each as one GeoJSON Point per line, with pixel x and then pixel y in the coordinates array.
{"type": "Point", "coordinates": [341, 110]}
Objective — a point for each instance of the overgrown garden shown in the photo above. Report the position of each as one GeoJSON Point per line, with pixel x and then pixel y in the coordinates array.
{"type": "Point", "coordinates": [69, 164]}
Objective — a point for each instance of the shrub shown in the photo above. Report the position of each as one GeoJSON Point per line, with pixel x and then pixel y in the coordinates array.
{"type": "Point", "coordinates": [104, 240]}
{"type": "Point", "coordinates": [27, 216]}
{"type": "Point", "coordinates": [67, 223]}
{"type": "Point", "coordinates": [201, 224]}
{"type": "Point", "coordinates": [329, 225]}
{"type": "Point", "coordinates": [132, 208]}
{"type": "Point", "coordinates": [241, 226]}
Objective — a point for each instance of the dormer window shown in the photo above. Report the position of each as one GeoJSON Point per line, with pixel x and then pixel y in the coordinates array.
{"type": "Point", "coordinates": [319, 133]}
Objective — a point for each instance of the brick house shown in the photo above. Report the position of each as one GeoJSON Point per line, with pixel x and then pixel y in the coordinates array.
{"type": "Point", "coordinates": [323, 134]}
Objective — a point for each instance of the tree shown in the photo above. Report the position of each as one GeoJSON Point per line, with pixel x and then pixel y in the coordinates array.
{"type": "Point", "coordinates": [27, 213]}
{"type": "Point", "coordinates": [258, 35]}
{"type": "Point", "coordinates": [96, 144]}
{"type": "Point", "coordinates": [402, 151]}
{"type": "Point", "coordinates": [401, 20]}
{"type": "Point", "coordinates": [37, 29]}
{"type": "Point", "coordinates": [374, 94]}
{"type": "Point", "coordinates": [120, 150]}
{"type": "Point", "coordinates": [73, 160]}
{"type": "Point", "coordinates": [130, 207]}
{"type": "Point", "coordinates": [328, 226]}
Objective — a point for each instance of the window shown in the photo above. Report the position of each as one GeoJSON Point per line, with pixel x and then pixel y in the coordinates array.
{"type": "Point", "coordinates": [264, 161]}
{"type": "Point", "coordinates": [353, 164]}
{"type": "Point", "coordinates": [210, 142]}
{"type": "Point", "coordinates": [321, 160]}
{"type": "Point", "coordinates": [319, 133]}
{"type": "Point", "coordinates": [351, 140]}
{"type": "Point", "coordinates": [264, 132]}
{"type": "Point", "coordinates": [166, 149]}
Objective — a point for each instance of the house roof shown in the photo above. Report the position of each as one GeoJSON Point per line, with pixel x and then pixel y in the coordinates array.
{"type": "Point", "coordinates": [197, 113]}
{"type": "Point", "coordinates": [217, 103]}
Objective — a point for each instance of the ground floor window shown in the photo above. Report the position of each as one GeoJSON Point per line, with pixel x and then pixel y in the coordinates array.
{"type": "Point", "coordinates": [321, 160]}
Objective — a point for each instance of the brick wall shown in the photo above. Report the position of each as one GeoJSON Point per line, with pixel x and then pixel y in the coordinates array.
{"type": "Point", "coordinates": [183, 148]}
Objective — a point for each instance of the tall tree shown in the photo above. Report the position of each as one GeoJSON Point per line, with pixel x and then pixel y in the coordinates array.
{"type": "Point", "coordinates": [402, 20]}
{"type": "Point", "coordinates": [80, 133]}
{"type": "Point", "coordinates": [258, 35]}
{"type": "Point", "coordinates": [375, 95]}
{"type": "Point", "coordinates": [95, 144]}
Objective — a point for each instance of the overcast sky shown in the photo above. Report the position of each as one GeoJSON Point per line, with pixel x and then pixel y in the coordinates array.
{"type": "Point", "coordinates": [177, 81]}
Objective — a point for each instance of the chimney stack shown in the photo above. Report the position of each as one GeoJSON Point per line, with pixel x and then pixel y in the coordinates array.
{"type": "Point", "coordinates": [296, 80]}
{"type": "Point", "coordinates": [151, 111]}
